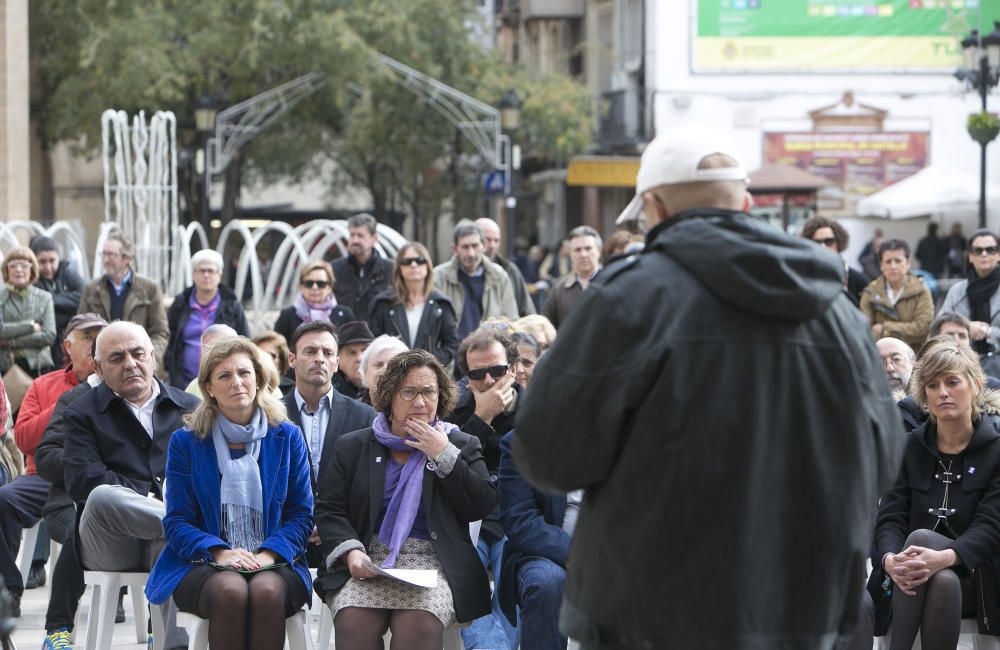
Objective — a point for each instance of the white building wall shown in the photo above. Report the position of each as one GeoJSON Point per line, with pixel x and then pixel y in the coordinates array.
{"type": "Point", "coordinates": [750, 104]}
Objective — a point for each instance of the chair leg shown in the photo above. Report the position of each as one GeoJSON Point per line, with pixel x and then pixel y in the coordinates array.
{"type": "Point", "coordinates": [138, 613]}
{"type": "Point", "coordinates": [297, 631]}
{"type": "Point", "coordinates": [157, 617]}
{"type": "Point", "coordinates": [28, 541]}
{"type": "Point", "coordinates": [104, 617]}
{"type": "Point", "coordinates": [453, 638]}
{"type": "Point", "coordinates": [325, 633]}
{"type": "Point", "coordinates": [92, 616]}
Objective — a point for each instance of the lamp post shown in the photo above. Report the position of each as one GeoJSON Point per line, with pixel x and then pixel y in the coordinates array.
{"type": "Point", "coordinates": [981, 70]}
{"type": "Point", "coordinates": [510, 120]}
{"type": "Point", "coordinates": [205, 112]}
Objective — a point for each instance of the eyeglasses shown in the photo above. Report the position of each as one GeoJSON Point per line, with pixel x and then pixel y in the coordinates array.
{"type": "Point", "coordinates": [315, 284]}
{"type": "Point", "coordinates": [208, 271]}
{"type": "Point", "coordinates": [410, 261]}
{"type": "Point", "coordinates": [986, 250]}
{"type": "Point", "coordinates": [18, 265]}
{"type": "Point", "coordinates": [494, 371]}
{"type": "Point", "coordinates": [110, 254]}
{"type": "Point", "coordinates": [829, 242]}
{"type": "Point", "coordinates": [409, 393]}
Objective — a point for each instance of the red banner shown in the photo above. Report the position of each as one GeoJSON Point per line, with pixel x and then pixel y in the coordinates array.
{"type": "Point", "coordinates": [858, 164]}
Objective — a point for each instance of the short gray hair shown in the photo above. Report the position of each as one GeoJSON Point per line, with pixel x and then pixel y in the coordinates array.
{"type": "Point", "coordinates": [207, 255]}
{"type": "Point", "coordinates": [363, 220]}
{"type": "Point", "coordinates": [465, 228]}
{"type": "Point", "coordinates": [217, 331]}
{"type": "Point", "coordinates": [585, 231]}
{"type": "Point", "coordinates": [122, 326]}
{"type": "Point", "coordinates": [378, 346]}
{"type": "Point", "coordinates": [128, 247]}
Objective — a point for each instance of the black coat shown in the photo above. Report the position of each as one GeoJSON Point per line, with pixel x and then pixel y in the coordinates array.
{"type": "Point", "coordinates": [350, 500]}
{"type": "Point", "coordinates": [689, 395]}
{"type": "Point", "coordinates": [230, 313]}
{"type": "Point", "coordinates": [357, 286]}
{"type": "Point", "coordinates": [435, 334]}
{"type": "Point", "coordinates": [975, 523]}
{"type": "Point", "coordinates": [49, 452]}
{"type": "Point", "coordinates": [346, 415]}
{"type": "Point", "coordinates": [533, 520]}
{"type": "Point", "coordinates": [66, 287]}
{"type": "Point", "coordinates": [106, 445]}
{"type": "Point", "coordinates": [465, 418]}
{"type": "Point", "coordinates": [288, 320]}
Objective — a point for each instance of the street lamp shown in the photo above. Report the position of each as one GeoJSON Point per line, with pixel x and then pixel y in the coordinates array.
{"type": "Point", "coordinates": [205, 112]}
{"type": "Point", "coordinates": [981, 60]}
{"type": "Point", "coordinates": [510, 120]}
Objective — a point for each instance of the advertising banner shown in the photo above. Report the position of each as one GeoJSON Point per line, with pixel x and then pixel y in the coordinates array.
{"type": "Point", "coordinates": [858, 164]}
{"type": "Point", "coordinates": [809, 36]}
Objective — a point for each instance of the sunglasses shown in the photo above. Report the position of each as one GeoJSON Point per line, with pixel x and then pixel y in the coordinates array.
{"type": "Point", "coordinates": [988, 250]}
{"type": "Point", "coordinates": [409, 261]}
{"type": "Point", "coordinates": [829, 242]}
{"type": "Point", "coordinates": [315, 284]}
{"type": "Point", "coordinates": [494, 371]}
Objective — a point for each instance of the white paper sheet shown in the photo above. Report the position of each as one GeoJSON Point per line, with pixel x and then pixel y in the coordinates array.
{"type": "Point", "coordinates": [425, 578]}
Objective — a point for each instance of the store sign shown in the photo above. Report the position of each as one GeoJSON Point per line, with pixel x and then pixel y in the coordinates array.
{"type": "Point", "coordinates": [808, 36]}
{"type": "Point", "coordinates": [858, 164]}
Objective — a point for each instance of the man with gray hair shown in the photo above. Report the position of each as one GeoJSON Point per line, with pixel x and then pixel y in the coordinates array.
{"type": "Point", "coordinates": [720, 402]}
{"type": "Point", "coordinates": [585, 256]}
{"type": "Point", "coordinates": [122, 294]}
{"type": "Point", "coordinates": [491, 249]}
{"type": "Point", "coordinates": [211, 335]}
{"type": "Point", "coordinates": [115, 457]}
{"type": "Point", "coordinates": [478, 288]}
{"type": "Point", "coordinates": [363, 273]}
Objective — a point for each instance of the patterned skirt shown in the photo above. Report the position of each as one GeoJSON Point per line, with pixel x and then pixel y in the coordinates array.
{"type": "Point", "coordinates": [384, 593]}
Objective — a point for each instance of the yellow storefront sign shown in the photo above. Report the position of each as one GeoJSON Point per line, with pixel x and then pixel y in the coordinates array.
{"type": "Point", "coordinates": [602, 171]}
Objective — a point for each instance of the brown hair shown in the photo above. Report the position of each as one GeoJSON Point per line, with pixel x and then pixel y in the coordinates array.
{"type": "Point", "coordinates": [398, 285]}
{"type": "Point", "coordinates": [315, 265]}
{"type": "Point", "coordinates": [21, 253]}
{"type": "Point", "coordinates": [270, 336]}
{"type": "Point", "coordinates": [202, 419]}
{"type": "Point", "coordinates": [395, 373]}
{"type": "Point", "coordinates": [810, 227]}
{"type": "Point", "coordinates": [943, 356]}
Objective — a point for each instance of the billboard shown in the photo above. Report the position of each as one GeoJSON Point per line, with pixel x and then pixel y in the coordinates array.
{"type": "Point", "coordinates": [811, 36]}
{"type": "Point", "coordinates": [858, 164]}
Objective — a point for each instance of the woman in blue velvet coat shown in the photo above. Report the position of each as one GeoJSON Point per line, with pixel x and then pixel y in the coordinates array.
{"type": "Point", "coordinates": [239, 507]}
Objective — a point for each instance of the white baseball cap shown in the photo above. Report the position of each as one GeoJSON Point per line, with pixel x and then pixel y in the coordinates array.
{"type": "Point", "coordinates": [674, 158]}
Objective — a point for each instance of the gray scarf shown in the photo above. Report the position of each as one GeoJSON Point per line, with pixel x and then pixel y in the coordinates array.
{"type": "Point", "coordinates": [240, 490]}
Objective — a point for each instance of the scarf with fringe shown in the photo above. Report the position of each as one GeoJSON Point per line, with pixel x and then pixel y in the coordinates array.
{"type": "Point", "coordinates": [240, 490]}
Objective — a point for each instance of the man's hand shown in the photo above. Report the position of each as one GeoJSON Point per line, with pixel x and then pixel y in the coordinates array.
{"type": "Point", "coordinates": [978, 330]}
{"type": "Point", "coordinates": [314, 538]}
{"type": "Point", "coordinates": [495, 399]}
{"type": "Point", "coordinates": [877, 329]}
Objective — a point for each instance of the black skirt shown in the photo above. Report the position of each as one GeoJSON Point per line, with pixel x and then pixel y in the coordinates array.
{"type": "Point", "coordinates": [188, 591]}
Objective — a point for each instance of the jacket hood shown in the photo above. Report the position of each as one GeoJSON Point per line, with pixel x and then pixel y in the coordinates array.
{"type": "Point", "coordinates": [750, 264]}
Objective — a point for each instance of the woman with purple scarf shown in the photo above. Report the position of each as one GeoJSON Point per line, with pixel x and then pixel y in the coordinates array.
{"type": "Point", "coordinates": [314, 302]}
{"type": "Point", "coordinates": [401, 495]}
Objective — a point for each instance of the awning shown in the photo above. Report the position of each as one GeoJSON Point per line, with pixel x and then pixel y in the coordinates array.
{"type": "Point", "coordinates": [603, 171]}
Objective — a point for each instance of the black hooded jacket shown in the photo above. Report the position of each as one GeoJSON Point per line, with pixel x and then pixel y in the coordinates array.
{"type": "Point", "coordinates": [721, 402]}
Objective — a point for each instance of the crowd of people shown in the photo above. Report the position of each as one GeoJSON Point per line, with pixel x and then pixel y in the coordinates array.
{"type": "Point", "coordinates": [705, 392]}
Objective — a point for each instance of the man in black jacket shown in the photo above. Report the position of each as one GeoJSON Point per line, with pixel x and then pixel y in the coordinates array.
{"type": "Point", "coordinates": [115, 457]}
{"type": "Point", "coordinates": [65, 285]}
{"type": "Point", "coordinates": [316, 408]}
{"type": "Point", "coordinates": [362, 273]}
{"type": "Point", "coordinates": [719, 400]}
{"type": "Point", "coordinates": [487, 406]}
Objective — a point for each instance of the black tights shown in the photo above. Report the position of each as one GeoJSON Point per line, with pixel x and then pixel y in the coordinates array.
{"type": "Point", "coordinates": [936, 609]}
{"type": "Point", "coordinates": [244, 614]}
{"type": "Point", "coordinates": [362, 628]}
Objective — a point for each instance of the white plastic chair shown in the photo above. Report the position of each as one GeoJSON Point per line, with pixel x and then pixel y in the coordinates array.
{"type": "Point", "coordinates": [296, 631]}
{"type": "Point", "coordinates": [970, 627]}
{"type": "Point", "coordinates": [104, 604]}
{"type": "Point", "coordinates": [29, 538]}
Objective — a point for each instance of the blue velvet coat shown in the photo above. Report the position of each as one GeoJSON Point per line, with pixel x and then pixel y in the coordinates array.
{"type": "Point", "coordinates": [192, 524]}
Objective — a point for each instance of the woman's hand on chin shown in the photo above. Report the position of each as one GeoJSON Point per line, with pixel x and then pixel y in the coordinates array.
{"type": "Point", "coordinates": [425, 437]}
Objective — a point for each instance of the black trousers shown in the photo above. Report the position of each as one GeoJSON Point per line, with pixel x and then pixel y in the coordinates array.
{"type": "Point", "coordinates": [21, 503]}
{"type": "Point", "coordinates": [66, 582]}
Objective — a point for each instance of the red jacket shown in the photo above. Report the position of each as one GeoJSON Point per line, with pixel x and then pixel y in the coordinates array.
{"type": "Point", "coordinates": [36, 410]}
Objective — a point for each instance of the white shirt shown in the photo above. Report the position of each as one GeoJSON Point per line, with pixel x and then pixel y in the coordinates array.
{"type": "Point", "coordinates": [413, 320]}
{"type": "Point", "coordinates": [891, 295]}
{"type": "Point", "coordinates": [144, 412]}
{"type": "Point", "coordinates": [314, 425]}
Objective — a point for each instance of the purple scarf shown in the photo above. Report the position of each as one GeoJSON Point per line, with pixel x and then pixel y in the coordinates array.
{"type": "Point", "coordinates": [310, 311]}
{"type": "Point", "coordinates": [405, 501]}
